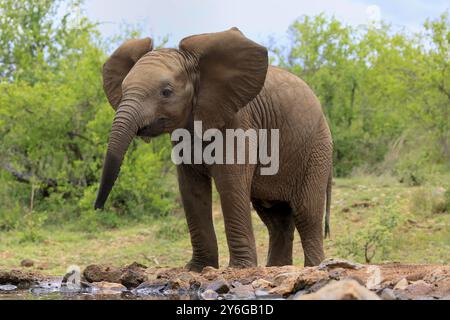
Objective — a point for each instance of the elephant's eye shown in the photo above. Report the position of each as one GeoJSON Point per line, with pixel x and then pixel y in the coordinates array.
{"type": "Point", "coordinates": [166, 93]}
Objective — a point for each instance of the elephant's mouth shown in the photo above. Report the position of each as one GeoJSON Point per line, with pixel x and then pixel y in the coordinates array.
{"type": "Point", "coordinates": [154, 129]}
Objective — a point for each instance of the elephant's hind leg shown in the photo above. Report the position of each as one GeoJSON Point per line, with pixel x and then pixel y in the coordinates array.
{"type": "Point", "coordinates": [308, 207]}
{"type": "Point", "coordinates": [280, 224]}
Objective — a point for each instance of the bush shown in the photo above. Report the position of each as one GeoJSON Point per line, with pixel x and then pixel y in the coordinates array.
{"type": "Point", "coordinates": [425, 202]}
{"type": "Point", "coordinates": [30, 227]}
{"type": "Point", "coordinates": [374, 240]}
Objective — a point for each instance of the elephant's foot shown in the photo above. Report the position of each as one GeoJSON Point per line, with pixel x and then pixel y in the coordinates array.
{"type": "Point", "coordinates": [197, 265]}
{"type": "Point", "coordinates": [242, 263]}
{"type": "Point", "coordinates": [312, 261]}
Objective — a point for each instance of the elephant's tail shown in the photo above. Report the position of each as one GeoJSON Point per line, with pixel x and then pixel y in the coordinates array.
{"type": "Point", "coordinates": [328, 205]}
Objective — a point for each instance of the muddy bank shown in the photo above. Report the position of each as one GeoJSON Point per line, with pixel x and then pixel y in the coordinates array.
{"type": "Point", "coordinates": [333, 279]}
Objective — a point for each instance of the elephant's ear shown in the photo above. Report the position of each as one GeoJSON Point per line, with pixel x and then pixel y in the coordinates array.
{"type": "Point", "coordinates": [232, 73]}
{"type": "Point", "coordinates": [119, 64]}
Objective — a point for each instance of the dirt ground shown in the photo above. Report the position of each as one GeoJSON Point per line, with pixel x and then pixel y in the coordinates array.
{"type": "Point", "coordinates": [333, 279]}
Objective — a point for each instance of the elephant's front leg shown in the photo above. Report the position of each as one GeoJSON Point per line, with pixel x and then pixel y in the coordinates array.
{"type": "Point", "coordinates": [196, 194]}
{"type": "Point", "coordinates": [234, 190]}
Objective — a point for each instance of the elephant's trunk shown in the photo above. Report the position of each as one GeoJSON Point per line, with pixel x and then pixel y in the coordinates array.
{"type": "Point", "coordinates": [126, 123]}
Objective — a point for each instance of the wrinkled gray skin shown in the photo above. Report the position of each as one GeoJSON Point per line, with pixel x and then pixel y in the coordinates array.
{"type": "Point", "coordinates": [224, 80]}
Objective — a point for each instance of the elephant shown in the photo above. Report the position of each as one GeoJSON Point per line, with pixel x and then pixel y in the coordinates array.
{"type": "Point", "coordinates": [224, 80]}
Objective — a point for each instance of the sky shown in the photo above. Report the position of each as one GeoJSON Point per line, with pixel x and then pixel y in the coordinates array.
{"type": "Point", "coordinates": [257, 19]}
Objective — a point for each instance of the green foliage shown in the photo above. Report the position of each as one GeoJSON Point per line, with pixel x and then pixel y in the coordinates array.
{"type": "Point", "coordinates": [373, 241]}
{"type": "Point", "coordinates": [55, 121]}
{"type": "Point", "coordinates": [172, 228]}
{"type": "Point", "coordinates": [375, 84]}
{"type": "Point", "coordinates": [386, 95]}
{"type": "Point", "coordinates": [426, 202]}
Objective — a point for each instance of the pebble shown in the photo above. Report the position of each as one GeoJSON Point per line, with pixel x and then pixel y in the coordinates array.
{"type": "Point", "coordinates": [388, 294]}
{"type": "Point", "coordinates": [219, 286]}
{"type": "Point", "coordinates": [401, 285]}
{"type": "Point", "coordinates": [8, 287]}
{"type": "Point", "coordinates": [27, 263]}
{"type": "Point", "coordinates": [210, 295]}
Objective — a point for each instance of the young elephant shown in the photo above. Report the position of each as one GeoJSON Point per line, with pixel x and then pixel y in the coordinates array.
{"type": "Point", "coordinates": [223, 79]}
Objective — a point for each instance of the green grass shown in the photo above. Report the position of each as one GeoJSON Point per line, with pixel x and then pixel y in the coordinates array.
{"type": "Point", "coordinates": [419, 237]}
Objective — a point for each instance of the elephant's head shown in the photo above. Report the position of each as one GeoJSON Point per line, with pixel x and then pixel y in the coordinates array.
{"type": "Point", "coordinates": [209, 78]}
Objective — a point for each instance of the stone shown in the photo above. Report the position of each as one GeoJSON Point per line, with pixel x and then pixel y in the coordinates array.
{"type": "Point", "coordinates": [418, 288]}
{"type": "Point", "coordinates": [8, 287]}
{"type": "Point", "coordinates": [388, 294]}
{"type": "Point", "coordinates": [342, 290]}
{"type": "Point", "coordinates": [136, 266]}
{"type": "Point", "coordinates": [424, 298]}
{"type": "Point", "coordinates": [261, 293]}
{"type": "Point", "coordinates": [133, 278]}
{"type": "Point", "coordinates": [318, 285]}
{"type": "Point", "coordinates": [287, 283]}
{"type": "Point", "coordinates": [401, 285]}
{"type": "Point", "coordinates": [375, 278]}
{"type": "Point", "coordinates": [19, 278]}
{"type": "Point", "coordinates": [27, 263]}
{"type": "Point", "coordinates": [298, 294]}
{"type": "Point", "coordinates": [262, 284]}
{"type": "Point", "coordinates": [209, 295]}
{"type": "Point", "coordinates": [243, 292]}
{"type": "Point", "coordinates": [220, 286]}
{"type": "Point", "coordinates": [336, 273]}
{"type": "Point", "coordinates": [339, 263]}
{"type": "Point", "coordinates": [99, 273]}
{"type": "Point", "coordinates": [109, 286]}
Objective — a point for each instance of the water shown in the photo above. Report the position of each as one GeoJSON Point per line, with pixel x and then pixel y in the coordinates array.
{"type": "Point", "coordinates": [52, 290]}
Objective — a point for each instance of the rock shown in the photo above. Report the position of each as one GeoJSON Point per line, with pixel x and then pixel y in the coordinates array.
{"type": "Point", "coordinates": [8, 287]}
{"type": "Point", "coordinates": [209, 295]}
{"type": "Point", "coordinates": [283, 277]}
{"type": "Point", "coordinates": [339, 263]}
{"type": "Point", "coordinates": [243, 292]}
{"type": "Point", "coordinates": [220, 286]}
{"type": "Point", "coordinates": [109, 286]}
{"type": "Point", "coordinates": [261, 293]}
{"type": "Point", "coordinates": [318, 285]}
{"type": "Point", "coordinates": [336, 273]}
{"type": "Point", "coordinates": [388, 294]}
{"type": "Point", "coordinates": [136, 266]}
{"type": "Point", "coordinates": [133, 278]}
{"type": "Point", "coordinates": [424, 298]}
{"type": "Point", "coordinates": [418, 288]}
{"type": "Point", "coordinates": [262, 284]}
{"type": "Point", "coordinates": [99, 273]}
{"type": "Point", "coordinates": [21, 279]}
{"type": "Point", "coordinates": [287, 283]}
{"type": "Point", "coordinates": [342, 290]}
{"type": "Point", "coordinates": [375, 278]}
{"type": "Point", "coordinates": [27, 263]}
{"type": "Point", "coordinates": [401, 285]}
{"type": "Point", "coordinates": [447, 297]}
{"type": "Point", "coordinates": [298, 294]}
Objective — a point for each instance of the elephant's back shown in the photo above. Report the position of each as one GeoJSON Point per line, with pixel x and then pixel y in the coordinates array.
{"type": "Point", "coordinates": [299, 118]}
{"type": "Point", "coordinates": [295, 100]}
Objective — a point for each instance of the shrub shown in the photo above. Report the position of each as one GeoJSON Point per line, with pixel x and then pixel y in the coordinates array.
{"type": "Point", "coordinates": [373, 241]}
{"type": "Point", "coordinates": [425, 202]}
